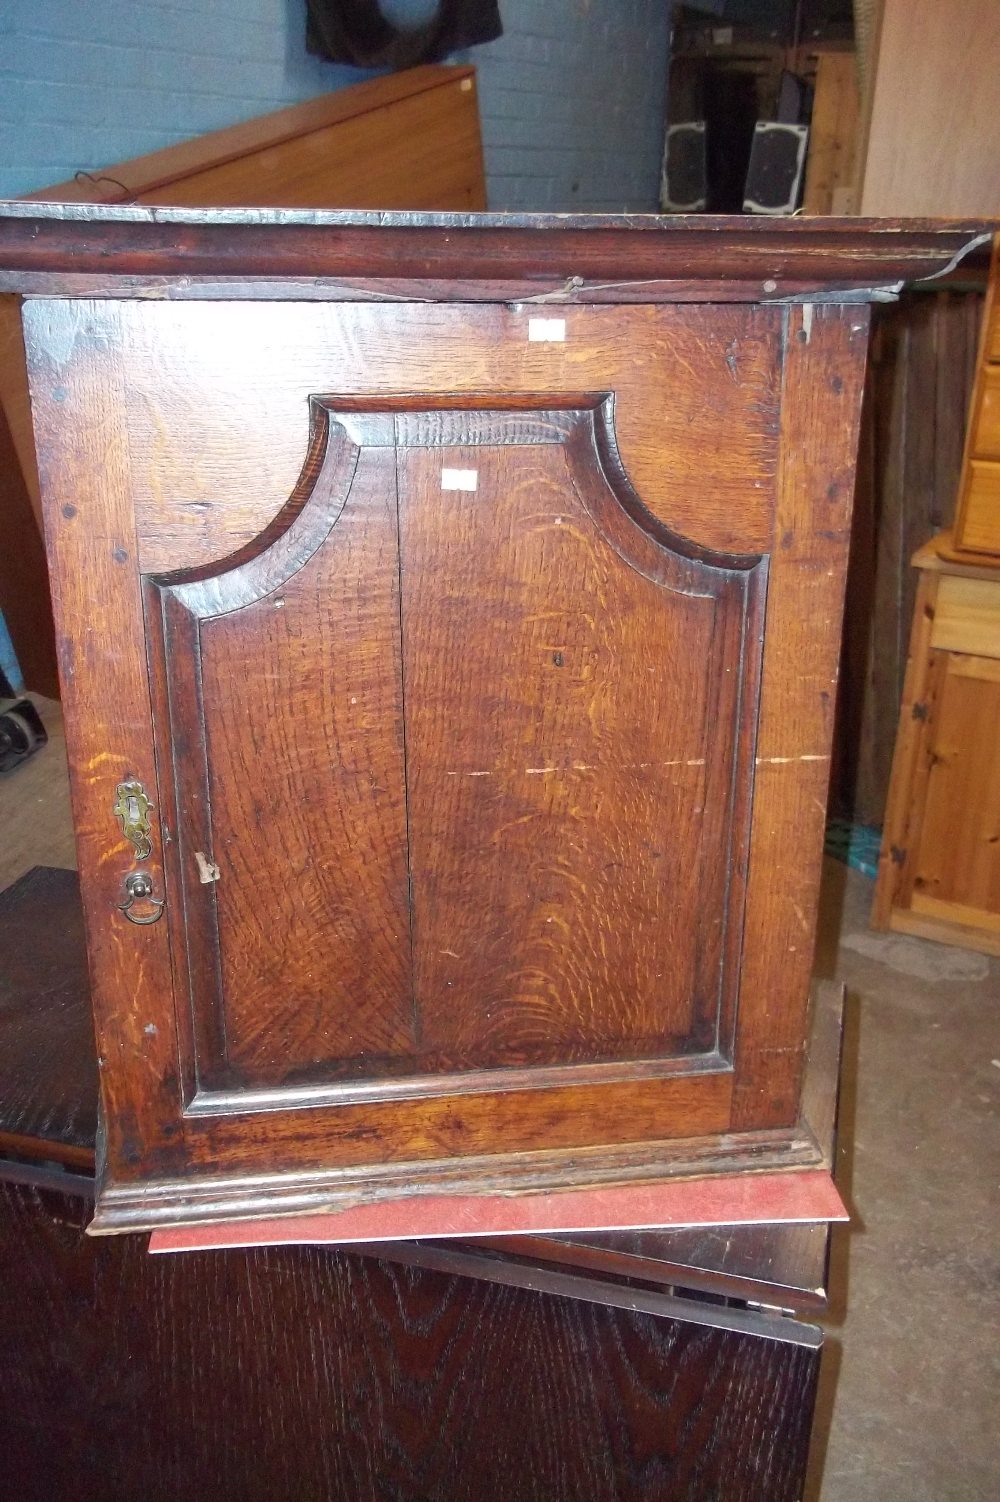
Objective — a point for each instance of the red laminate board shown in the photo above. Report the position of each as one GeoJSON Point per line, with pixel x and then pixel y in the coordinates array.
{"type": "Point", "coordinates": [748, 1199]}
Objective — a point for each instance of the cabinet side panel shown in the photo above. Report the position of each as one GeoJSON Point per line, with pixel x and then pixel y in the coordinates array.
{"type": "Point", "coordinates": [825, 348]}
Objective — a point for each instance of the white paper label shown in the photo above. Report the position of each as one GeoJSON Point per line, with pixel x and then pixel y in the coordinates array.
{"type": "Point", "coordinates": [546, 330]}
{"type": "Point", "coordinates": [459, 479]}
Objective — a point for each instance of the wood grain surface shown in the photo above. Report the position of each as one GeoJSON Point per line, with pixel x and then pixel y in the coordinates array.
{"type": "Point", "coordinates": [303, 654]}
{"type": "Point", "coordinates": [823, 380]}
{"type": "Point", "coordinates": [579, 615]}
{"type": "Point", "coordinates": [296, 1372]}
{"type": "Point", "coordinates": [939, 868]}
{"type": "Point", "coordinates": [572, 758]}
{"type": "Point", "coordinates": [959, 861]}
{"type": "Point", "coordinates": [90, 536]}
{"type": "Point", "coordinates": [218, 411]}
{"type": "Point", "coordinates": [282, 715]}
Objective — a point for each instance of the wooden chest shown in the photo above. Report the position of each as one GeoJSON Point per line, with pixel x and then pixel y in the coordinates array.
{"type": "Point", "coordinates": [449, 618]}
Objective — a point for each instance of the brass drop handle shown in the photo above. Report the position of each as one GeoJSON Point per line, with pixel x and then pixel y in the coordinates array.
{"type": "Point", "coordinates": [139, 888]}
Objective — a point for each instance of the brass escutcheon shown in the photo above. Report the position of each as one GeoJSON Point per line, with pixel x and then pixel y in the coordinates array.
{"type": "Point", "coordinates": [132, 811]}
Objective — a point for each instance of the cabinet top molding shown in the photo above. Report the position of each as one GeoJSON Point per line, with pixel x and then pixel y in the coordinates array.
{"type": "Point", "coordinates": [52, 249]}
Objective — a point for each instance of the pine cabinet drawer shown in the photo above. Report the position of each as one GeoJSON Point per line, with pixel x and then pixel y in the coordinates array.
{"type": "Point", "coordinates": [986, 425]}
{"type": "Point", "coordinates": [978, 529]}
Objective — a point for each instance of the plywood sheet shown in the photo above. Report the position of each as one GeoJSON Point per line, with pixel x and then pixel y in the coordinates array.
{"type": "Point", "coordinates": [934, 134]}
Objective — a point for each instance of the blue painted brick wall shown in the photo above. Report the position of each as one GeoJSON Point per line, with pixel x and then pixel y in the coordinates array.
{"type": "Point", "coordinates": [571, 95]}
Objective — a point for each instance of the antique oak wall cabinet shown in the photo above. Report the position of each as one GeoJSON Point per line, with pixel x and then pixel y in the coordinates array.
{"type": "Point", "coordinates": [448, 613]}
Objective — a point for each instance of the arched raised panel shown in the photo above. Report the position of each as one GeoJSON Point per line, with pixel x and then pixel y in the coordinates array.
{"type": "Point", "coordinates": [459, 769]}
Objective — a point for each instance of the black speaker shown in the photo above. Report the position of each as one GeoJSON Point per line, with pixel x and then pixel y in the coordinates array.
{"type": "Point", "coordinates": [683, 187]}
{"type": "Point", "coordinates": [777, 161]}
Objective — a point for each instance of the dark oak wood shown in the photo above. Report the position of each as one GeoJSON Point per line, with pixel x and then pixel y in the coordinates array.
{"type": "Point", "coordinates": [299, 1372]}
{"type": "Point", "coordinates": [48, 1076]}
{"type": "Point", "coordinates": [410, 1372]}
{"type": "Point", "coordinates": [481, 674]}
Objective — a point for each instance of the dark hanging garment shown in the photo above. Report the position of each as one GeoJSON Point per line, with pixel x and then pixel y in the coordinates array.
{"type": "Point", "coordinates": [356, 32]}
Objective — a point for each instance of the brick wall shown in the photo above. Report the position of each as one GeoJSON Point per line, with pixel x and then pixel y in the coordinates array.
{"type": "Point", "coordinates": [571, 96]}
{"type": "Point", "coordinates": [572, 102]}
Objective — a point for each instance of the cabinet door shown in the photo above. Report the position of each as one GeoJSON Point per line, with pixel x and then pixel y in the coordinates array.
{"type": "Point", "coordinates": [461, 763]}
{"type": "Point", "coordinates": [452, 743]}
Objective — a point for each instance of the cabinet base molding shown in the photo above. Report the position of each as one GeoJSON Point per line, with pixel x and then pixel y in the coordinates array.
{"type": "Point", "coordinates": [965, 935]}
{"type": "Point", "coordinates": [211, 1200]}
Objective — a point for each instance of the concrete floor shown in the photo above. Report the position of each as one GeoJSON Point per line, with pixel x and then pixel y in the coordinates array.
{"type": "Point", "coordinates": [908, 1407]}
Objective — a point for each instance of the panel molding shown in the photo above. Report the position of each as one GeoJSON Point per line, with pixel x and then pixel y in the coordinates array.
{"type": "Point", "coordinates": [178, 603]}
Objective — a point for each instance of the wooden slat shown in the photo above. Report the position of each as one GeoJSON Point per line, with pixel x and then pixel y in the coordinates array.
{"type": "Point", "coordinates": [78, 248]}
{"type": "Point", "coordinates": [821, 402]}
{"type": "Point", "coordinates": [967, 618]}
{"type": "Point", "coordinates": [963, 913]}
{"type": "Point", "coordinates": [983, 669]}
{"type": "Point", "coordinates": [79, 400]}
{"type": "Point", "coordinates": [832, 134]}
